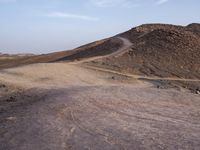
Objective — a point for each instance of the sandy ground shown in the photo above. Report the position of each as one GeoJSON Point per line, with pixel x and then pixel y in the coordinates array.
{"type": "Point", "coordinates": [67, 106]}
{"type": "Point", "coordinates": [74, 106]}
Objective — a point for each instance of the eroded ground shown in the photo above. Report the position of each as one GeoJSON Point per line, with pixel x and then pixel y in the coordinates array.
{"type": "Point", "coordinates": [66, 106]}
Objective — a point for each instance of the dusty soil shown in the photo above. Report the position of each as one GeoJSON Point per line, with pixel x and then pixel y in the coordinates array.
{"type": "Point", "coordinates": [113, 94]}
{"type": "Point", "coordinates": [67, 106]}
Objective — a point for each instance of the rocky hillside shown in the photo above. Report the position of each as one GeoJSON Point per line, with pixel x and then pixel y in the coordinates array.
{"type": "Point", "coordinates": [160, 50]}
{"type": "Point", "coordinates": [195, 28]}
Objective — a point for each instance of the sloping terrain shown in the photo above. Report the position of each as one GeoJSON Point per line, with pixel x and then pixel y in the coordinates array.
{"type": "Point", "coordinates": [160, 50]}
{"type": "Point", "coordinates": [98, 48]}
{"type": "Point", "coordinates": [157, 50]}
{"type": "Point", "coordinates": [101, 49]}
{"type": "Point", "coordinates": [153, 50]}
{"type": "Point", "coordinates": [195, 28]}
{"type": "Point", "coordinates": [124, 92]}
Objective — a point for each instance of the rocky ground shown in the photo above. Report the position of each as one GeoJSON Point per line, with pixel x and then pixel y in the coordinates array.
{"type": "Point", "coordinates": [49, 106]}
{"type": "Point", "coordinates": [137, 90]}
{"type": "Point", "coordinates": [159, 50]}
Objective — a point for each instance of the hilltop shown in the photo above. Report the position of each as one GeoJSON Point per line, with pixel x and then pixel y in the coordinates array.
{"type": "Point", "coordinates": [157, 50]}
{"type": "Point", "coordinates": [136, 90]}
{"type": "Point", "coordinates": [160, 50]}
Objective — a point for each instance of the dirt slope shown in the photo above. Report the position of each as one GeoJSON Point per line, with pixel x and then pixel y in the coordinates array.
{"type": "Point", "coordinates": [103, 48]}
{"type": "Point", "coordinates": [76, 106]}
{"type": "Point", "coordinates": [160, 50]}
{"type": "Point", "coordinates": [157, 50]}
{"type": "Point", "coordinates": [195, 28]}
{"type": "Point", "coordinates": [98, 48]}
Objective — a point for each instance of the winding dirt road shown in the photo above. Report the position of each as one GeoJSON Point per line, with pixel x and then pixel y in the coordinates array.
{"type": "Point", "coordinates": [126, 44]}
{"type": "Point", "coordinates": [61, 106]}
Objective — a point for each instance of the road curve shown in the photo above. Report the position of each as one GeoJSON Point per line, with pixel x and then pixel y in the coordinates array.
{"type": "Point", "coordinates": [126, 45]}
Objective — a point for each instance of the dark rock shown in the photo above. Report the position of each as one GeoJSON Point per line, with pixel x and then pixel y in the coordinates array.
{"type": "Point", "coordinates": [2, 85]}
{"type": "Point", "coordinates": [11, 99]}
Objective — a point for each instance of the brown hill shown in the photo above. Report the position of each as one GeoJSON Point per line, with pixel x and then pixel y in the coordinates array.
{"type": "Point", "coordinates": [157, 50]}
{"type": "Point", "coordinates": [195, 28]}
{"type": "Point", "coordinates": [98, 48]}
{"type": "Point", "coordinates": [160, 50]}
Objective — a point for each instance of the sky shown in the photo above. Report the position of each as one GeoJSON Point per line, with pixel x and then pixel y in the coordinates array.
{"type": "Point", "coordinates": [44, 26]}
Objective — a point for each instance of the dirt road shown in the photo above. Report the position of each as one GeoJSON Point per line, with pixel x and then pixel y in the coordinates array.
{"type": "Point", "coordinates": [64, 106]}
{"type": "Point", "coordinates": [126, 44]}
{"type": "Point", "coordinates": [140, 76]}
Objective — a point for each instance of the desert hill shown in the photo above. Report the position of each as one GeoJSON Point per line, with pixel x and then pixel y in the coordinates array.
{"type": "Point", "coordinates": [136, 90]}
{"type": "Point", "coordinates": [97, 48]}
{"type": "Point", "coordinates": [160, 50]}
{"type": "Point", "coordinates": [157, 50]}
{"type": "Point", "coordinates": [195, 28]}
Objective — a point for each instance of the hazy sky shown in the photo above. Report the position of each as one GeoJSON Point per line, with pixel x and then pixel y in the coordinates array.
{"type": "Point", "coordinates": [42, 26]}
